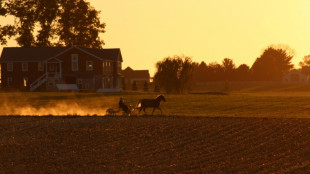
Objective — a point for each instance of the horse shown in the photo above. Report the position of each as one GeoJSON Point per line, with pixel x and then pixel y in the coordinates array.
{"type": "Point", "coordinates": [150, 103]}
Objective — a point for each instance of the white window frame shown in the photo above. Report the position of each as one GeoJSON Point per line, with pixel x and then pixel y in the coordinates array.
{"type": "Point", "coordinates": [87, 65]}
{"type": "Point", "coordinates": [8, 67]}
{"type": "Point", "coordinates": [24, 66]}
{"type": "Point", "coordinates": [40, 66]}
{"type": "Point", "coordinates": [74, 60]}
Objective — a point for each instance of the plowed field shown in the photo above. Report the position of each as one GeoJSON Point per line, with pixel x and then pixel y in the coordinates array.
{"type": "Point", "coordinates": [154, 144]}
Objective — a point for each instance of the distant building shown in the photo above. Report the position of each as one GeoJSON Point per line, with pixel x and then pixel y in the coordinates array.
{"type": "Point", "coordinates": [140, 77]}
{"type": "Point", "coordinates": [61, 68]}
{"type": "Point", "coordinates": [295, 76]}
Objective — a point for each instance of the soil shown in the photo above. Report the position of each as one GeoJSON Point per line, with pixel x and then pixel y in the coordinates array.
{"type": "Point", "coordinates": [153, 144]}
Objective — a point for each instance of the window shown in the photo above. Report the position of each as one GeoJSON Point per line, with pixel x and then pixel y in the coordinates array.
{"type": "Point", "coordinates": [9, 66]}
{"type": "Point", "coordinates": [111, 66]}
{"type": "Point", "coordinates": [75, 62]}
{"type": "Point", "coordinates": [25, 66]}
{"type": "Point", "coordinates": [105, 66]}
{"type": "Point", "coordinates": [25, 81]}
{"type": "Point", "coordinates": [40, 66]}
{"type": "Point", "coordinates": [89, 65]}
{"type": "Point", "coordinates": [9, 79]}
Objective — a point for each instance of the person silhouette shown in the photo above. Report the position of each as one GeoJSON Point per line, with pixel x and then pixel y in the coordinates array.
{"type": "Point", "coordinates": [123, 106]}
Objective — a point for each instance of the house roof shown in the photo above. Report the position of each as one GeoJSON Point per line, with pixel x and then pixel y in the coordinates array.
{"type": "Point", "coordinates": [132, 74]}
{"type": "Point", "coordinates": [44, 53]}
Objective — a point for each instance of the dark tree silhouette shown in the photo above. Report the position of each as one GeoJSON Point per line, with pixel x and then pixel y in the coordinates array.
{"type": "Point", "coordinates": [272, 64]}
{"type": "Point", "coordinates": [305, 61]}
{"type": "Point", "coordinates": [228, 68]}
{"type": "Point", "coordinates": [47, 11]}
{"type": "Point", "coordinates": [242, 73]}
{"type": "Point", "coordinates": [200, 72]}
{"type": "Point", "coordinates": [216, 72]}
{"type": "Point", "coordinates": [174, 74]}
{"type": "Point", "coordinates": [61, 23]}
{"type": "Point", "coordinates": [79, 24]}
{"type": "Point", "coordinates": [305, 65]}
{"type": "Point", "coordinates": [7, 31]}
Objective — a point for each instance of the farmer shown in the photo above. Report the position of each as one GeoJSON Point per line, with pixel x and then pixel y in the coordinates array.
{"type": "Point", "coordinates": [123, 106]}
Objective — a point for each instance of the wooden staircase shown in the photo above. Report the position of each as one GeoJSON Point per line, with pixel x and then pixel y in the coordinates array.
{"type": "Point", "coordinates": [38, 82]}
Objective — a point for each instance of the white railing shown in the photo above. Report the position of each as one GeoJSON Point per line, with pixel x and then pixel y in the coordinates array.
{"type": "Point", "coordinates": [38, 82]}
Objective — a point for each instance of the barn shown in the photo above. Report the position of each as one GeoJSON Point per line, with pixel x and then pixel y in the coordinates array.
{"type": "Point", "coordinates": [140, 77]}
{"type": "Point", "coordinates": [61, 68]}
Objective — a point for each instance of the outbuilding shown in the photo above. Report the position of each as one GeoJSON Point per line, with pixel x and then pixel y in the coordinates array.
{"type": "Point", "coordinates": [295, 76]}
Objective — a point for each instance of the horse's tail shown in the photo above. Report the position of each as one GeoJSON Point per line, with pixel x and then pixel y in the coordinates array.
{"type": "Point", "coordinates": [138, 104]}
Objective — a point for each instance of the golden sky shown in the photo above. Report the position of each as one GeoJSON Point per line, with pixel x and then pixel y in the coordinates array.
{"type": "Point", "coordinates": [206, 30]}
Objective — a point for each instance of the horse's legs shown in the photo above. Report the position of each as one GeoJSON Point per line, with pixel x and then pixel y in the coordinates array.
{"type": "Point", "coordinates": [140, 110]}
{"type": "Point", "coordinates": [153, 110]}
{"type": "Point", "coordinates": [144, 110]}
{"type": "Point", "coordinates": [161, 112]}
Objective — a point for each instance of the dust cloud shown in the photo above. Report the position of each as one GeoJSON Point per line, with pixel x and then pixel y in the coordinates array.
{"type": "Point", "coordinates": [58, 109]}
{"type": "Point", "coordinates": [60, 104]}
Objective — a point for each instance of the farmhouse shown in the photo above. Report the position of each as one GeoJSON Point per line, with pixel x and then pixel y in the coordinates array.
{"type": "Point", "coordinates": [56, 68]}
{"type": "Point", "coordinates": [139, 76]}
{"type": "Point", "coordinates": [295, 76]}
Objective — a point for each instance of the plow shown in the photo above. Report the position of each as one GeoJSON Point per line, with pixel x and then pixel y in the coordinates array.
{"type": "Point", "coordinates": [120, 111]}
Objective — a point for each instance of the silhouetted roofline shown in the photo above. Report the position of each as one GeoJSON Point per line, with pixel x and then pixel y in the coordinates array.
{"type": "Point", "coordinates": [22, 54]}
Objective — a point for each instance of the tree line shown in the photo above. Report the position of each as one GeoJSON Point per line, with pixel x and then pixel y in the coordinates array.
{"type": "Point", "coordinates": [175, 74]}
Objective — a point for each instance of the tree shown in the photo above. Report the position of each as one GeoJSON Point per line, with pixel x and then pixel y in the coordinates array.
{"type": "Point", "coordinates": [242, 73]}
{"type": "Point", "coordinates": [7, 31]}
{"type": "Point", "coordinates": [59, 23]}
{"type": "Point", "coordinates": [305, 61]}
{"type": "Point", "coordinates": [200, 72]}
{"type": "Point", "coordinates": [215, 71]}
{"type": "Point", "coordinates": [174, 74]}
{"type": "Point", "coordinates": [305, 65]}
{"type": "Point", "coordinates": [228, 67]}
{"type": "Point", "coordinates": [272, 64]}
{"type": "Point", "coordinates": [25, 13]}
{"type": "Point", "coordinates": [79, 24]}
{"type": "Point", "coordinates": [47, 11]}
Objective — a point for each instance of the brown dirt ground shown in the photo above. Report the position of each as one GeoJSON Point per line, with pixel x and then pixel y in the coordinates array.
{"type": "Point", "coordinates": [153, 144]}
